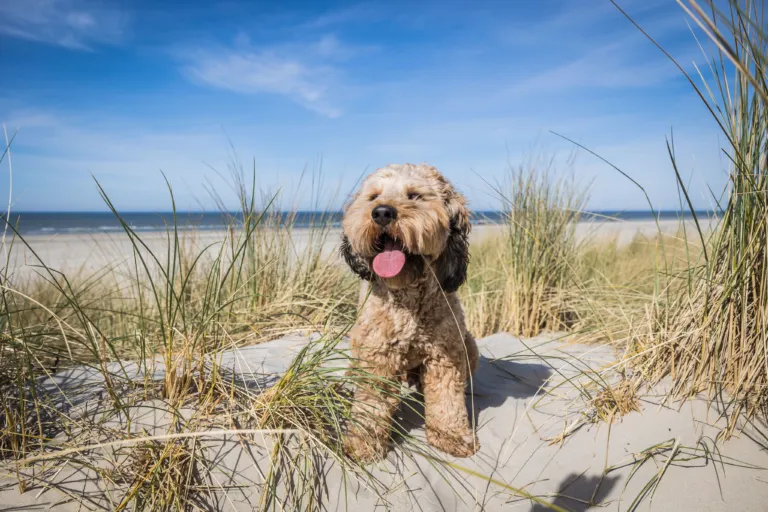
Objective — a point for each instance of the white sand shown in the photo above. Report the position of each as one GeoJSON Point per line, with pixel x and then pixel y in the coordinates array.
{"type": "Point", "coordinates": [515, 418]}
{"type": "Point", "coordinates": [74, 253]}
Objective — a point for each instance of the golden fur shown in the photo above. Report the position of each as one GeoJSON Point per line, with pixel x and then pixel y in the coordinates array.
{"type": "Point", "coordinates": [413, 321]}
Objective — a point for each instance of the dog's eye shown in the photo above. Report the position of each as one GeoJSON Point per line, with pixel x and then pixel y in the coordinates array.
{"type": "Point", "coordinates": [413, 195]}
{"type": "Point", "coordinates": [373, 197]}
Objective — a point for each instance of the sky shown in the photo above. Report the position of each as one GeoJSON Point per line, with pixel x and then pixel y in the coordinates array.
{"type": "Point", "coordinates": [316, 94]}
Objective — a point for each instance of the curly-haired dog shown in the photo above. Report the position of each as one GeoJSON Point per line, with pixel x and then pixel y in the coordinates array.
{"type": "Point", "coordinates": [406, 233]}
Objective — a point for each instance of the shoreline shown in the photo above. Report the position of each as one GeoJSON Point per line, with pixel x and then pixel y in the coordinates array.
{"type": "Point", "coordinates": [89, 252]}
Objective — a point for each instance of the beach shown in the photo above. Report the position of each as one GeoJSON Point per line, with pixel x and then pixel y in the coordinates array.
{"type": "Point", "coordinates": [86, 253]}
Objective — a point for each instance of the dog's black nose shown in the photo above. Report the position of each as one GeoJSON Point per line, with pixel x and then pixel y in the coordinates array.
{"type": "Point", "coordinates": [383, 215]}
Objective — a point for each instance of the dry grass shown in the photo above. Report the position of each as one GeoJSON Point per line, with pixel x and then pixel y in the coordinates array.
{"type": "Point", "coordinates": [617, 400]}
{"type": "Point", "coordinates": [541, 275]}
{"type": "Point", "coordinates": [172, 313]}
{"type": "Point", "coordinates": [712, 334]}
{"type": "Point", "coordinates": [517, 283]}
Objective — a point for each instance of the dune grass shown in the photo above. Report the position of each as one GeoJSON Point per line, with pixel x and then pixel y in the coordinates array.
{"type": "Point", "coordinates": [517, 281]}
{"type": "Point", "coordinates": [552, 269]}
{"type": "Point", "coordinates": [151, 334]}
{"type": "Point", "coordinates": [711, 335]}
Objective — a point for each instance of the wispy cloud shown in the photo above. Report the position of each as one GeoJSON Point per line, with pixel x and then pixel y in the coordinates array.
{"type": "Point", "coordinates": [607, 51]}
{"type": "Point", "coordinates": [606, 67]}
{"type": "Point", "coordinates": [303, 73]}
{"type": "Point", "coordinates": [74, 24]}
{"type": "Point", "coordinates": [353, 14]}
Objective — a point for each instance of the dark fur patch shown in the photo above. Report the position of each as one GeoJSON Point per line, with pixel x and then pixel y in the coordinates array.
{"type": "Point", "coordinates": [451, 266]}
{"type": "Point", "coordinates": [355, 262]}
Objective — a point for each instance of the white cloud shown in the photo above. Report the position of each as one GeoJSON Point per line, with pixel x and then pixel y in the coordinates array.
{"type": "Point", "coordinates": [74, 24]}
{"type": "Point", "coordinates": [303, 73]}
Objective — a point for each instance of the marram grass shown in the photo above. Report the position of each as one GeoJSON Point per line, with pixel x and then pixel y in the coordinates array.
{"type": "Point", "coordinates": [712, 335]}
{"type": "Point", "coordinates": [518, 282]}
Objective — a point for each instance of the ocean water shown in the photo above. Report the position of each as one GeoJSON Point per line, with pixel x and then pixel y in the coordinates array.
{"type": "Point", "coordinates": [51, 223]}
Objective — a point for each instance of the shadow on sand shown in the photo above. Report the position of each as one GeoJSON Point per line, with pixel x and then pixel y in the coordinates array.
{"type": "Point", "coordinates": [579, 493]}
{"type": "Point", "coordinates": [494, 382]}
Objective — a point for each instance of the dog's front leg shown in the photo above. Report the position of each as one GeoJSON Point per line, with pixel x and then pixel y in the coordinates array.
{"type": "Point", "coordinates": [375, 401]}
{"type": "Point", "coordinates": [447, 423]}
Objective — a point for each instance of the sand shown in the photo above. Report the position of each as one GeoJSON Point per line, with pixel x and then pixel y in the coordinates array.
{"type": "Point", "coordinates": [89, 253]}
{"type": "Point", "coordinates": [519, 403]}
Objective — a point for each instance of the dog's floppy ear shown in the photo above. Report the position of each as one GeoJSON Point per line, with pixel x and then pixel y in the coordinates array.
{"type": "Point", "coordinates": [355, 262]}
{"type": "Point", "coordinates": [451, 266]}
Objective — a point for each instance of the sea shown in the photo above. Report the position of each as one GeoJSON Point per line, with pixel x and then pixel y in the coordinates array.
{"type": "Point", "coordinates": [52, 223]}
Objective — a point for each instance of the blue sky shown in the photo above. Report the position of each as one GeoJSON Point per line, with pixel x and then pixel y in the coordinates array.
{"type": "Point", "coordinates": [124, 89]}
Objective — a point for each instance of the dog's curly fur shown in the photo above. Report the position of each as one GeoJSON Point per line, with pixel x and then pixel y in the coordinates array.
{"type": "Point", "coordinates": [413, 321]}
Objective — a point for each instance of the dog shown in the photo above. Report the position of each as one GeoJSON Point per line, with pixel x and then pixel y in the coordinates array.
{"type": "Point", "coordinates": [405, 233]}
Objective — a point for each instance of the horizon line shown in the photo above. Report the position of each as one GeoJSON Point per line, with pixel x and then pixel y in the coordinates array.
{"type": "Point", "coordinates": [182, 212]}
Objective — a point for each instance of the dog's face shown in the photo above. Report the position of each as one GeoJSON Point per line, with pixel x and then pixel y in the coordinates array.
{"type": "Point", "coordinates": [404, 221]}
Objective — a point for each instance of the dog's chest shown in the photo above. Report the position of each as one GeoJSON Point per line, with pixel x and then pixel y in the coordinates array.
{"type": "Point", "coordinates": [403, 329]}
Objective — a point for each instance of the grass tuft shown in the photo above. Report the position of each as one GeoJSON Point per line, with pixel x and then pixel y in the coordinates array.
{"type": "Point", "coordinates": [519, 282]}
{"type": "Point", "coordinates": [712, 334]}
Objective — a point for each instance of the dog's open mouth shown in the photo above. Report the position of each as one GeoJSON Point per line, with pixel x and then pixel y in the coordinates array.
{"type": "Point", "coordinates": [391, 260]}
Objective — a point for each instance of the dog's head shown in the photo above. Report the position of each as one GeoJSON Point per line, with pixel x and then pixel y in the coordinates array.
{"type": "Point", "coordinates": [404, 221]}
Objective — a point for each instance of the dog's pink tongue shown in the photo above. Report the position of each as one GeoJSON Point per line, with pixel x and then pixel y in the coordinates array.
{"type": "Point", "coordinates": [389, 262]}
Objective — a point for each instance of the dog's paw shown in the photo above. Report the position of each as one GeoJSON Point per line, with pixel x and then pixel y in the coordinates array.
{"type": "Point", "coordinates": [364, 449]}
{"type": "Point", "coordinates": [462, 445]}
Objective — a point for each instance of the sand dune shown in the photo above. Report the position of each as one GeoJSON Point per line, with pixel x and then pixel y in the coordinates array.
{"type": "Point", "coordinates": [516, 415]}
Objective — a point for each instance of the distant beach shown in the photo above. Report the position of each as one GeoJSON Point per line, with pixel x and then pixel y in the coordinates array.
{"type": "Point", "coordinates": [55, 223]}
{"type": "Point", "coordinates": [88, 242]}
